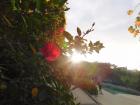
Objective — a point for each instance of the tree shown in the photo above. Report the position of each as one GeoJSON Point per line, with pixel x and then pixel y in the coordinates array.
{"type": "Point", "coordinates": [32, 41]}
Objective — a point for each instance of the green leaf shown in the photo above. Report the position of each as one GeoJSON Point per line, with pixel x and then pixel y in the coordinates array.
{"type": "Point", "coordinates": [65, 45]}
{"type": "Point", "coordinates": [8, 21]}
{"type": "Point", "coordinates": [13, 3]}
{"type": "Point", "coordinates": [25, 22]}
{"type": "Point", "coordinates": [138, 18]}
{"type": "Point", "coordinates": [38, 4]}
{"type": "Point", "coordinates": [79, 31]}
{"type": "Point", "coordinates": [131, 27]}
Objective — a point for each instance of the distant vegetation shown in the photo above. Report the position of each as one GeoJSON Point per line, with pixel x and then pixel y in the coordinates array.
{"type": "Point", "coordinates": [110, 73]}
{"type": "Point", "coordinates": [124, 77]}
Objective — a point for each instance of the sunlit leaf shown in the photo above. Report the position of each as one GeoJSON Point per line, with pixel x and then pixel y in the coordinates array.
{"type": "Point", "coordinates": [138, 18]}
{"type": "Point", "coordinates": [68, 36]}
{"type": "Point", "coordinates": [98, 46]}
{"type": "Point", "coordinates": [136, 32]}
{"type": "Point", "coordinates": [130, 12]}
{"type": "Point", "coordinates": [97, 50]}
{"type": "Point", "coordinates": [90, 44]}
{"type": "Point", "coordinates": [137, 23]}
{"type": "Point", "coordinates": [97, 43]}
{"type": "Point", "coordinates": [79, 31]}
{"type": "Point", "coordinates": [131, 29]}
{"type": "Point", "coordinates": [65, 45]}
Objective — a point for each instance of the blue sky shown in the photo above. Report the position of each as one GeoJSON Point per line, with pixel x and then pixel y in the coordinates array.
{"type": "Point", "coordinates": [111, 24]}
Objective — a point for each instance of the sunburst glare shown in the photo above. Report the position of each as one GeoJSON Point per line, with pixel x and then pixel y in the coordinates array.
{"type": "Point", "coordinates": [77, 57]}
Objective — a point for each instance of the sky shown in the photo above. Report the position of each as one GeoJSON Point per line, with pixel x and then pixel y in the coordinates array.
{"type": "Point", "coordinates": [111, 28]}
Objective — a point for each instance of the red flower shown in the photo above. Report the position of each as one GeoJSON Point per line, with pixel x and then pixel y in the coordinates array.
{"type": "Point", "coordinates": [50, 51]}
{"type": "Point", "coordinates": [59, 31]}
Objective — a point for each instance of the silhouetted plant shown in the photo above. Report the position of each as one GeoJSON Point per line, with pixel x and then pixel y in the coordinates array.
{"type": "Point", "coordinates": [32, 40]}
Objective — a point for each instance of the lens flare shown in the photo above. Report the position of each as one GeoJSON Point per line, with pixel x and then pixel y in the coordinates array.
{"type": "Point", "coordinates": [77, 57]}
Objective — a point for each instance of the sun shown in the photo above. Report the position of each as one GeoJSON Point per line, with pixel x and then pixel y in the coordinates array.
{"type": "Point", "coordinates": [76, 57]}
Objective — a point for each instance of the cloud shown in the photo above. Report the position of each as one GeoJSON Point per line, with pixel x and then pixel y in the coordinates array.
{"type": "Point", "coordinates": [111, 26]}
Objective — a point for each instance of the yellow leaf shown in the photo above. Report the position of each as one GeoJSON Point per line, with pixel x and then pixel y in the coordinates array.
{"type": "Point", "coordinates": [34, 91]}
{"type": "Point", "coordinates": [30, 11]}
{"type": "Point", "coordinates": [32, 48]}
{"type": "Point", "coordinates": [137, 23]}
{"type": "Point", "coordinates": [47, 0]}
{"type": "Point", "coordinates": [130, 12]}
{"type": "Point", "coordinates": [136, 33]}
{"type": "Point", "coordinates": [130, 29]}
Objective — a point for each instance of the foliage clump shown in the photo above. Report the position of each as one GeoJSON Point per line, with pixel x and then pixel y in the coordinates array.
{"type": "Point", "coordinates": [32, 39]}
{"type": "Point", "coordinates": [135, 28]}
